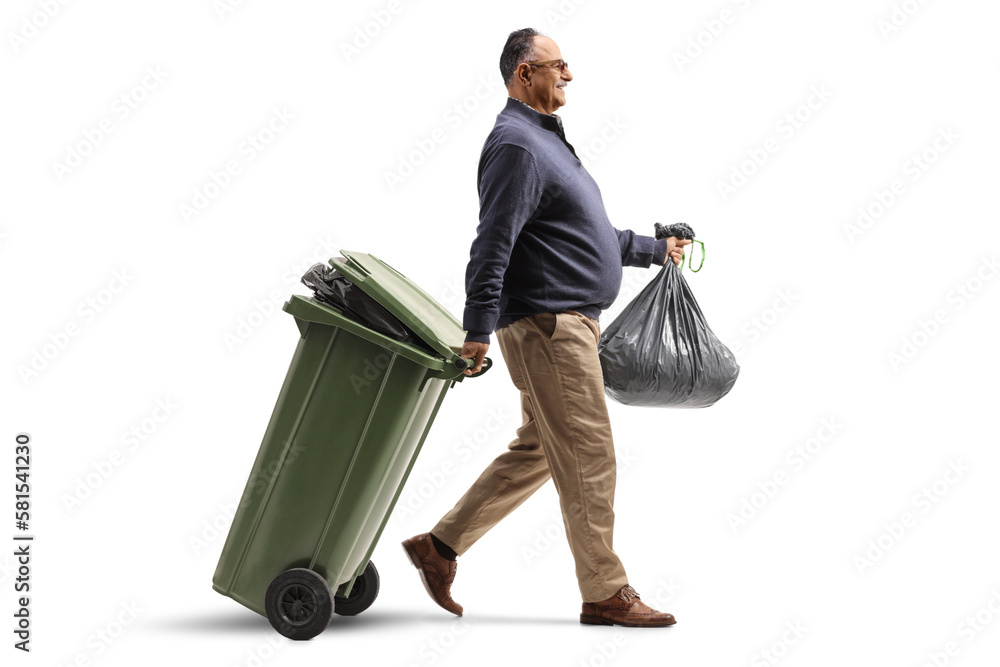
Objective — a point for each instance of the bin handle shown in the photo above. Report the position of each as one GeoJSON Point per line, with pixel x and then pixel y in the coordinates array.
{"type": "Point", "coordinates": [464, 364]}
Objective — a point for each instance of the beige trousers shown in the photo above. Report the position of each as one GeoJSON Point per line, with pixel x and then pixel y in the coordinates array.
{"type": "Point", "coordinates": [565, 435]}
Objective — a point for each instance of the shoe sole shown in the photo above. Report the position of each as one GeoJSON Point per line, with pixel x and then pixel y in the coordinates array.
{"type": "Point", "coordinates": [594, 620]}
{"type": "Point", "coordinates": [411, 553]}
{"type": "Point", "coordinates": [600, 620]}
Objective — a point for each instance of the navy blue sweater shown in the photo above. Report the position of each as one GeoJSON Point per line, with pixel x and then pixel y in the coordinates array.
{"type": "Point", "coordinates": [544, 242]}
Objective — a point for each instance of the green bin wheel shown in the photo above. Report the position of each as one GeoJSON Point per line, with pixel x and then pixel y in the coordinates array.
{"type": "Point", "coordinates": [362, 595]}
{"type": "Point", "coordinates": [299, 603]}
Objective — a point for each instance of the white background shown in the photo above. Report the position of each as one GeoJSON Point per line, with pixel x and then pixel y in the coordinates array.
{"type": "Point", "coordinates": [814, 313]}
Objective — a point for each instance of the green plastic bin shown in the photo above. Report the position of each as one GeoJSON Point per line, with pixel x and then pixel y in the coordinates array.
{"type": "Point", "coordinates": [349, 422]}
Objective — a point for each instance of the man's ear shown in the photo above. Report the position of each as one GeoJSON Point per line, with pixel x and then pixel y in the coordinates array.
{"type": "Point", "coordinates": [524, 76]}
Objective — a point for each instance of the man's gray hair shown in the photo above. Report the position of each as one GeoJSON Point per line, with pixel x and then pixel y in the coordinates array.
{"type": "Point", "coordinates": [520, 48]}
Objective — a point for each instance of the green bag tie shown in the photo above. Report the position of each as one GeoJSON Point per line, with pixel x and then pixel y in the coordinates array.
{"type": "Point", "coordinates": [691, 258]}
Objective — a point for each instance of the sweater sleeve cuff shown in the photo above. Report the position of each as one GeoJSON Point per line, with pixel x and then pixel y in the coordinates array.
{"type": "Point", "coordinates": [660, 252]}
{"type": "Point", "coordinates": [477, 337]}
{"type": "Point", "coordinates": [479, 320]}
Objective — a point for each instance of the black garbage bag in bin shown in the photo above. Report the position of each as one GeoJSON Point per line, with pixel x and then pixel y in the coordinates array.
{"type": "Point", "coordinates": [660, 351]}
{"type": "Point", "coordinates": [332, 288]}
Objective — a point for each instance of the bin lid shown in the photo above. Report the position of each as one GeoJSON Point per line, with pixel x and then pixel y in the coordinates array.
{"type": "Point", "coordinates": [400, 296]}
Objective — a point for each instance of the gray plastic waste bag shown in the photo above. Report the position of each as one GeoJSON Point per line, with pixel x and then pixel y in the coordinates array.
{"type": "Point", "coordinates": [660, 352]}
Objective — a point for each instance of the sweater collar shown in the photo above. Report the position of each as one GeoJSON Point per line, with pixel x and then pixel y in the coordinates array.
{"type": "Point", "coordinates": [545, 121]}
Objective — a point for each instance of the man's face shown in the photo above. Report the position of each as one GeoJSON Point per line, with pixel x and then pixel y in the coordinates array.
{"type": "Point", "coordinates": [546, 92]}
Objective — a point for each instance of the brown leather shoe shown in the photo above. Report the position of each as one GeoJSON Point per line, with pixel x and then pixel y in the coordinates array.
{"type": "Point", "coordinates": [624, 608]}
{"type": "Point", "coordinates": [436, 571]}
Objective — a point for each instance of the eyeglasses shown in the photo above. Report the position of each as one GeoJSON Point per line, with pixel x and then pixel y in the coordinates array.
{"type": "Point", "coordinates": [560, 64]}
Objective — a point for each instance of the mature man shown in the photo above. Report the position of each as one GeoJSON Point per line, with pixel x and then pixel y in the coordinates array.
{"type": "Point", "coordinates": [545, 262]}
